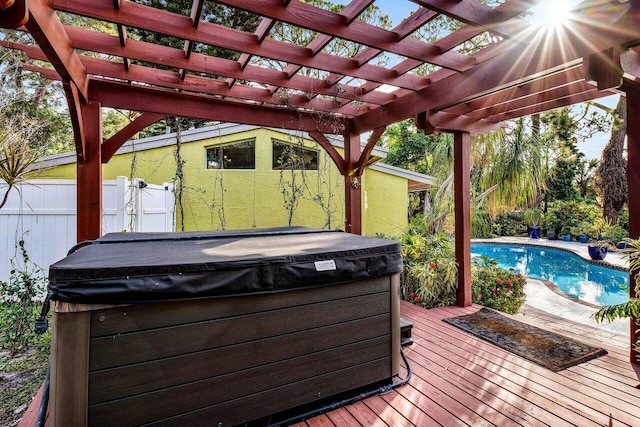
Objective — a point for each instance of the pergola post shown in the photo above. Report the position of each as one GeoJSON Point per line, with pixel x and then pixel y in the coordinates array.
{"type": "Point", "coordinates": [352, 185]}
{"type": "Point", "coordinates": [89, 175]}
{"type": "Point", "coordinates": [462, 199]}
{"type": "Point", "coordinates": [633, 182]}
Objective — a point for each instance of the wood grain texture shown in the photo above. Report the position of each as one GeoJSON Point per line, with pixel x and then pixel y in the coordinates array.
{"type": "Point", "coordinates": [69, 369]}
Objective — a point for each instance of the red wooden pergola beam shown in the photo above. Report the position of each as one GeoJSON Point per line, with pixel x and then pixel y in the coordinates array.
{"type": "Point", "coordinates": [462, 214]}
{"type": "Point", "coordinates": [604, 69]}
{"type": "Point", "coordinates": [447, 122]}
{"type": "Point", "coordinates": [261, 32]}
{"type": "Point", "coordinates": [350, 13]}
{"type": "Point", "coordinates": [575, 89]}
{"type": "Point", "coordinates": [632, 90]}
{"type": "Point", "coordinates": [524, 91]}
{"type": "Point", "coordinates": [198, 84]}
{"type": "Point", "coordinates": [315, 46]}
{"type": "Point", "coordinates": [550, 105]}
{"type": "Point", "coordinates": [335, 24]}
{"type": "Point", "coordinates": [630, 62]}
{"type": "Point", "coordinates": [47, 30]}
{"type": "Point", "coordinates": [46, 72]}
{"type": "Point", "coordinates": [172, 57]}
{"type": "Point", "coordinates": [196, 12]}
{"type": "Point", "coordinates": [145, 99]}
{"type": "Point", "coordinates": [507, 10]}
{"type": "Point", "coordinates": [352, 10]}
{"type": "Point", "coordinates": [515, 67]}
{"type": "Point", "coordinates": [89, 176]}
{"type": "Point", "coordinates": [110, 146]}
{"type": "Point", "coordinates": [472, 13]}
{"type": "Point", "coordinates": [75, 113]}
{"type": "Point", "coordinates": [33, 52]}
{"type": "Point", "coordinates": [404, 29]}
{"type": "Point", "coordinates": [148, 18]}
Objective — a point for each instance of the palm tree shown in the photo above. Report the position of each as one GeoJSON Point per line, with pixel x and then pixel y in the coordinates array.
{"type": "Point", "coordinates": [512, 174]}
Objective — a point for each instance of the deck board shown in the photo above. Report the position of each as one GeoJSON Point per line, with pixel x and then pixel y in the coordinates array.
{"type": "Point", "coordinates": [460, 380]}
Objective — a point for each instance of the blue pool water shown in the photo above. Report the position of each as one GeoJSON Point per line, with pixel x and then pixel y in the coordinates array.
{"type": "Point", "coordinates": [572, 274]}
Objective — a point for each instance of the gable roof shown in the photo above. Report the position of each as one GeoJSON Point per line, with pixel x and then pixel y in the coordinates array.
{"type": "Point", "coordinates": [417, 181]}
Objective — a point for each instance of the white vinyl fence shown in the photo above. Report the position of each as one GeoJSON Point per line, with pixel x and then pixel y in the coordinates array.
{"type": "Point", "coordinates": [43, 214]}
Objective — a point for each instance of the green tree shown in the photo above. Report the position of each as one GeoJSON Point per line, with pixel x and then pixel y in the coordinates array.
{"type": "Point", "coordinates": [407, 148]}
{"type": "Point", "coordinates": [511, 162]}
{"type": "Point", "coordinates": [35, 100]}
{"type": "Point", "coordinates": [428, 154]}
{"type": "Point", "coordinates": [560, 185]}
{"type": "Point", "coordinates": [585, 180]}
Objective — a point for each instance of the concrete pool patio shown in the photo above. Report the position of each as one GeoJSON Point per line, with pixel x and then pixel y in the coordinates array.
{"type": "Point", "coordinates": [547, 306]}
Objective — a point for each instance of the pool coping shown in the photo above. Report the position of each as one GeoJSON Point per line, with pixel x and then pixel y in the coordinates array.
{"type": "Point", "coordinates": [552, 286]}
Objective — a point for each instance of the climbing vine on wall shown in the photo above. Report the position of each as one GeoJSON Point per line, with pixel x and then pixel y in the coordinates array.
{"type": "Point", "coordinates": [216, 208]}
{"type": "Point", "coordinates": [292, 178]}
{"type": "Point", "coordinates": [296, 184]}
{"type": "Point", "coordinates": [324, 197]}
{"type": "Point", "coordinates": [179, 178]}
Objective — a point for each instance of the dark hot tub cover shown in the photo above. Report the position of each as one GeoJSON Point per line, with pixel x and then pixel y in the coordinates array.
{"type": "Point", "coordinates": [141, 267]}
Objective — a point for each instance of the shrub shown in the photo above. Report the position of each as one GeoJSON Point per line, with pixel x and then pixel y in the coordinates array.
{"type": "Point", "coordinates": [20, 303]}
{"type": "Point", "coordinates": [495, 287]}
{"type": "Point", "coordinates": [507, 224]}
{"type": "Point", "coordinates": [563, 215]}
{"type": "Point", "coordinates": [430, 276]}
{"type": "Point", "coordinates": [480, 224]}
{"type": "Point", "coordinates": [615, 233]}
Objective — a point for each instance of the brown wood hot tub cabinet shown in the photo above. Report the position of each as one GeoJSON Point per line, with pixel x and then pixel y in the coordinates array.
{"type": "Point", "coordinates": [221, 360]}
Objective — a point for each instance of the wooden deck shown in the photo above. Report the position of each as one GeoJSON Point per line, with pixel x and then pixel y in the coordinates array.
{"type": "Point", "coordinates": [460, 380]}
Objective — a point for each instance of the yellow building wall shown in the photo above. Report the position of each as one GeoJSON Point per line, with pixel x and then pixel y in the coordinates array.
{"type": "Point", "coordinates": [235, 199]}
{"type": "Point", "coordinates": [384, 199]}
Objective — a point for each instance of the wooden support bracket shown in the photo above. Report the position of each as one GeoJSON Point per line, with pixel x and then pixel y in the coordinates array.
{"type": "Point", "coordinates": [604, 69]}
{"type": "Point", "coordinates": [110, 146]}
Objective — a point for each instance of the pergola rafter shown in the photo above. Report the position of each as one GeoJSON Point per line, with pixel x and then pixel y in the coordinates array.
{"type": "Point", "coordinates": [495, 66]}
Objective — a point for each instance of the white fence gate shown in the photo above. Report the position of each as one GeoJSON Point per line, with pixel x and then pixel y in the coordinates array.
{"type": "Point", "coordinates": [43, 214]}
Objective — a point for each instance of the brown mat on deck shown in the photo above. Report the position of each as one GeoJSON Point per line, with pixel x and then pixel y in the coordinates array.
{"type": "Point", "coordinates": [547, 349]}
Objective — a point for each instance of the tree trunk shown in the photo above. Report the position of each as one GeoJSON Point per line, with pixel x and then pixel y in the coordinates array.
{"type": "Point", "coordinates": [611, 175]}
{"type": "Point", "coordinates": [535, 125]}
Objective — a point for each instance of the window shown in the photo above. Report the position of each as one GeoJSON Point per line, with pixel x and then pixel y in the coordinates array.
{"type": "Point", "coordinates": [287, 156]}
{"type": "Point", "coordinates": [238, 155]}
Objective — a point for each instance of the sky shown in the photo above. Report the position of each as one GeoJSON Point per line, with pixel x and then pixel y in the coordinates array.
{"type": "Point", "coordinates": [398, 10]}
{"type": "Point", "coordinates": [592, 148]}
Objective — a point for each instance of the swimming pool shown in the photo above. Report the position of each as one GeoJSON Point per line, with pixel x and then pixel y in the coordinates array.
{"type": "Point", "coordinates": [569, 272]}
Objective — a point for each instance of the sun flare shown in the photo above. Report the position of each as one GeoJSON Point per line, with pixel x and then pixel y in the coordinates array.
{"type": "Point", "coordinates": [552, 13]}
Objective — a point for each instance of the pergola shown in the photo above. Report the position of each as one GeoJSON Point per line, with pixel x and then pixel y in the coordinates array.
{"type": "Point", "coordinates": [272, 82]}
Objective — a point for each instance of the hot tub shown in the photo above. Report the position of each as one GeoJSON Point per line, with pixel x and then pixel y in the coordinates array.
{"type": "Point", "coordinates": [219, 328]}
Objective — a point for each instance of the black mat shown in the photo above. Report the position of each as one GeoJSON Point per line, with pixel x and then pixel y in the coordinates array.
{"type": "Point", "coordinates": [547, 349]}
